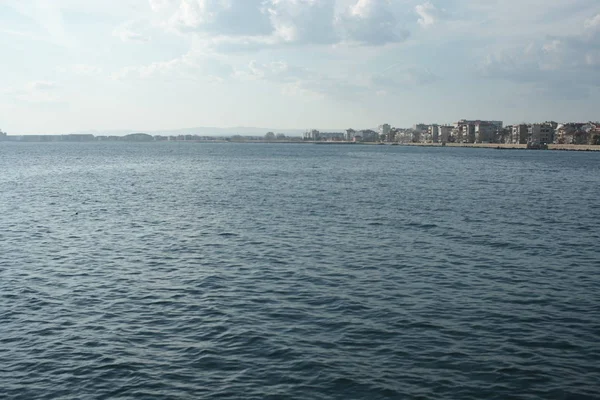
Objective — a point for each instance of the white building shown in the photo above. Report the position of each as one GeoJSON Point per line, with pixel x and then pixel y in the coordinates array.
{"type": "Point", "coordinates": [350, 134]}
{"type": "Point", "coordinates": [520, 134]}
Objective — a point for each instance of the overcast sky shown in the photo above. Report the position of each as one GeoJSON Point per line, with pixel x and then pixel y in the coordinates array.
{"type": "Point", "coordinates": [73, 65]}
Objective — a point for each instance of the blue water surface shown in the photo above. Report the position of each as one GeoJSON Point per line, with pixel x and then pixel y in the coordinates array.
{"type": "Point", "coordinates": [258, 271]}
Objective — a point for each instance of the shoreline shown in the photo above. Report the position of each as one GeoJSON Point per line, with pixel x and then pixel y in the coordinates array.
{"type": "Point", "coordinates": [504, 146]}
{"type": "Point", "coordinates": [495, 146]}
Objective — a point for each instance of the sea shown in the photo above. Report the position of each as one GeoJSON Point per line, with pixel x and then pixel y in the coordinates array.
{"type": "Point", "coordinates": [291, 271]}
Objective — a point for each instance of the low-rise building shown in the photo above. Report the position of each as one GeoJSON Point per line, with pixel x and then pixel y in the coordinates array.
{"type": "Point", "coordinates": [138, 137]}
{"type": "Point", "coordinates": [572, 133]}
{"type": "Point", "coordinates": [350, 134]}
{"type": "Point", "coordinates": [332, 136]}
{"type": "Point", "coordinates": [391, 135]}
{"type": "Point", "coordinates": [520, 134]}
{"type": "Point", "coordinates": [541, 133]}
{"type": "Point", "coordinates": [421, 127]}
{"type": "Point", "coordinates": [312, 135]}
{"type": "Point", "coordinates": [486, 132]}
{"type": "Point", "coordinates": [369, 135]}
{"type": "Point", "coordinates": [504, 135]}
{"type": "Point", "coordinates": [594, 134]}
{"type": "Point", "coordinates": [465, 131]}
{"type": "Point", "coordinates": [417, 136]}
{"type": "Point", "coordinates": [434, 133]}
{"type": "Point", "coordinates": [476, 131]}
{"type": "Point", "coordinates": [403, 135]}
{"type": "Point", "coordinates": [445, 133]}
{"type": "Point", "coordinates": [384, 130]}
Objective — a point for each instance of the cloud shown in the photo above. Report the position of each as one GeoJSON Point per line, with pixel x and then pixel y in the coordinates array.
{"type": "Point", "coordinates": [127, 34]}
{"type": "Point", "coordinates": [302, 81]}
{"type": "Point", "coordinates": [568, 64]}
{"type": "Point", "coordinates": [86, 70]}
{"type": "Point", "coordinates": [192, 66]}
{"type": "Point", "coordinates": [278, 71]}
{"type": "Point", "coordinates": [160, 5]}
{"type": "Point", "coordinates": [593, 23]}
{"type": "Point", "coordinates": [81, 70]}
{"type": "Point", "coordinates": [295, 80]}
{"type": "Point", "coordinates": [370, 22]}
{"type": "Point", "coordinates": [234, 25]}
{"type": "Point", "coordinates": [47, 21]}
{"type": "Point", "coordinates": [592, 58]}
{"type": "Point", "coordinates": [217, 17]}
{"type": "Point", "coordinates": [37, 92]}
{"type": "Point", "coordinates": [428, 14]}
{"type": "Point", "coordinates": [302, 21]}
{"type": "Point", "coordinates": [402, 77]}
{"type": "Point", "coordinates": [41, 86]}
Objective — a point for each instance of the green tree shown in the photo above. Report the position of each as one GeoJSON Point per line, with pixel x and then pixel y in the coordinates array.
{"type": "Point", "coordinates": [270, 136]}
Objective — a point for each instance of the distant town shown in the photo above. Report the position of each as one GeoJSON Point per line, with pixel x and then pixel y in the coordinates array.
{"type": "Point", "coordinates": [472, 132]}
{"type": "Point", "coordinates": [462, 132]}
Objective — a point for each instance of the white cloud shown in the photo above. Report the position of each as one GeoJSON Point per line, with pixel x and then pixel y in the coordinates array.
{"type": "Point", "coordinates": [592, 58]}
{"type": "Point", "coordinates": [48, 19]}
{"type": "Point", "coordinates": [192, 66]}
{"type": "Point", "coordinates": [160, 5]}
{"type": "Point", "coordinates": [276, 71]}
{"type": "Point", "coordinates": [553, 46]}
{"type": "Point", "coordinates": [593, 23]}
{"type": "Point", "coordinates": [231, 25]}
{"type": "Point", "coordinates": [41, 86]}
{"type": "Point", "coordinates": [370, 22]}
{"type": "Point", "coordinates": [396, 79]}
{"type": "Point", "coordinates": [302, 21]}
{"type": "Point", "coordinates": [191, 14]}
{"type": "Point", "coordinates": [403, 77]}
{"type": "Point", "coordinates": [568, 64]}
{"type": "Point", "coordinates": [85, 70]}
{"type": "Point", "coordinates": [428, 14]}
{"type": "Point", "coordinates": [127, 34]}
{"type": "Point", "coordinates": [296, 81]}
{"type": "Point", "coordinates": [37, 92]}
{"type": "Point", "coordinates": [217, 17]}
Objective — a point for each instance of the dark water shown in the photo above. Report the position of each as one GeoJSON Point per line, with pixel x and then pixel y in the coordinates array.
{"type": "Point", "coordinates": [224, 271]}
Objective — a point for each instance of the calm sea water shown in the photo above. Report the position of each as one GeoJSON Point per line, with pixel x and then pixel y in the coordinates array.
{"type": "Point", "coordinates": [240, 271]}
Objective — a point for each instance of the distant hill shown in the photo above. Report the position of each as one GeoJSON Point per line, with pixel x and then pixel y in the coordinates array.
{"type": "Point", "coordinates": [201, 131]}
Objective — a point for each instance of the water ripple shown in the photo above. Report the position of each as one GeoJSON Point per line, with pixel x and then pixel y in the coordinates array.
{"type": "Point", "coordinates": [275, 271]}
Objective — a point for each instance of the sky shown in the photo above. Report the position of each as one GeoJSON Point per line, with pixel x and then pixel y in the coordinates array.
{"type": "Point", "coordinates": [74, 65]}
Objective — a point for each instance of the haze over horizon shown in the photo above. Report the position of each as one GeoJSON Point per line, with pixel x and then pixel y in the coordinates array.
{"type": "Point", "coordinates": [155, 65]}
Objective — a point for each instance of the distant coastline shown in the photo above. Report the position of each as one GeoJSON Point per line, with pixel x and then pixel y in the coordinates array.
{"type": "Point", "coordinates": [289, 140]}
{"type": "Point", "coordinates": [549, 135]}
